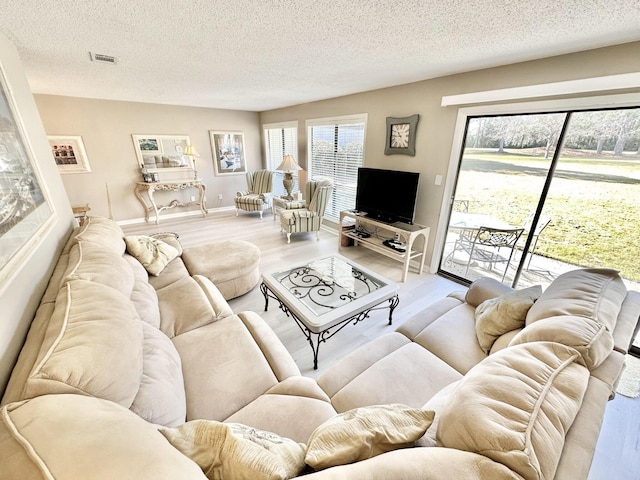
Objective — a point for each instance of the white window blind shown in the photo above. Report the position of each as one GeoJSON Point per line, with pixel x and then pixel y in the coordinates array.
{"type": "Point", "coordinates": [336, 151]}
{"type": "Point", "coordinates": [280, 139]}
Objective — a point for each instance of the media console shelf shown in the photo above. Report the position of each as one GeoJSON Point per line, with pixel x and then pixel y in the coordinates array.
{"type": "Point", "coordinates": [350, 222]}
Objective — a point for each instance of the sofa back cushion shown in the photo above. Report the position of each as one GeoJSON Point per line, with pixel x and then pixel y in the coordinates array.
{"type": "Point", "coordinates": [516, 406]}
{"type": "Point", "coordinates": [91, 261]}
{"type": "Point", "coordinates": [92, 346]}
{"type": "Point", "coordinates": [483, 289]}
{"type": "Point", "coordinates": [595, 293]}
{"type": "Point", "coordinates": [161, 398]}
{"type": "Point", "coordinates": [591, 339]}
{"type": "Point", "coordinates": [103, 232]}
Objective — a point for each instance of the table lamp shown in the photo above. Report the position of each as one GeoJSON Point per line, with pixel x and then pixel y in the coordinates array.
{"type": "Point", "coordinates": [189, 151]}
{"type": "Point", "coordinates": [288, 163]}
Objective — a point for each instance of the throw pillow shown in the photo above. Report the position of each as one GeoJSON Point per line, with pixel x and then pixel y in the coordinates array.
{"type": "Point", "coordinates": [237, 452]}
{"type": "Point", "coordinates": [497, 316]}
{"type": "Point", "coordinates": [152, 253]}
{"type": "Point", "coordinates": [365, 432]}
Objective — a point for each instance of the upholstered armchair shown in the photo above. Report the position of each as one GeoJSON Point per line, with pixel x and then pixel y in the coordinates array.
{"type": "Point", "coordinates": [309, 218]}
{"type": "Point", "coordinates": [258, 196]}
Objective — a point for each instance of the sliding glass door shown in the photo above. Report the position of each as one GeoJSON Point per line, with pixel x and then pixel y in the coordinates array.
{"type": "Point", "coordinates": [537, 195]}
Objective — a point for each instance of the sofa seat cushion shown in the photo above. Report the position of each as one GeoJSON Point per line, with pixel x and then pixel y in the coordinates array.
{"type": "Point", "coordinates": [516, 407]}
{"type": "Point", "coordinates": [78, 437]}
{"type": "Point", "coordinates": [232, 265]}
{"type": "Point", "coordinates": [173, 272]}
{"type": "Point", "coordinates": [452, 337]}
{"type": "Point", "coordinates": [365, 432]}
{"type": "Point", "coordinates": [591, 339]}
{"type": "Point", "coordinates": [596, 293]}
{"type": "Point", "coordinates": [407, 374]}
{"type": "Point", "coordinates": [184, 305]}
{"type": "Point", "coordinates": [422, 463]}
{"type": "Point", "coordinates": [237, 451]}
{"type": "Point", "coordinates": [292, 408]}
{"type": "Point", "coordinates": [225, 368]}
{"type": "Point", "coordinates": [503, 314]}
{"type": "Point", "coordinates": [92, 346]}
{"type": "Point", "coordinates": [161, 398]}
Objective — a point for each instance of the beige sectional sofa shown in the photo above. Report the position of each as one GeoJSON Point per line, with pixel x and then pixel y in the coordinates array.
{"type": "Point", "coordinates": [114, 354]}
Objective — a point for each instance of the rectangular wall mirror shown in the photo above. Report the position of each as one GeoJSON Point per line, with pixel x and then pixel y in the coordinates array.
{"type": "Point", "coordinates": [162, 153]}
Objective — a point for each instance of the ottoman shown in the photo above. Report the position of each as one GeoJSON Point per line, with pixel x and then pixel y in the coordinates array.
{"type": "Point", "coordinates": [232, 265]}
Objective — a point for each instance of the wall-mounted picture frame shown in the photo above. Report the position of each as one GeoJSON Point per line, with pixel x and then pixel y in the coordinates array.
{"type": "Point", "coordinates": [401, 135]}
{"type": "Point", "coordinates": [69, 153]}
{"type": "Point", "coordinates": [228, 152]}
{"type": "Point", "coordinates": [26, 213]}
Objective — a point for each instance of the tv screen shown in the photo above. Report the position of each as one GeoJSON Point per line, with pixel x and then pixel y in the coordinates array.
{"type": "Point", "coordinates": [387, 195]}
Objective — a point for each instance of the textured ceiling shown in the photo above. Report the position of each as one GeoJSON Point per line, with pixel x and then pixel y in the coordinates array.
{"type": "Point", "coordinates": [259, 55]}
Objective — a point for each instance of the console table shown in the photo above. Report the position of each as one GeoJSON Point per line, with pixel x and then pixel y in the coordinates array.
{"type": "Point", "coordinates": [350, 221]}
{"type": "Point", "coordinates": [150, 205]}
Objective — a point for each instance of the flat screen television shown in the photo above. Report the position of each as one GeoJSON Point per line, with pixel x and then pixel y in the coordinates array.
{"type": "Point", "coordinates": [387, 195]}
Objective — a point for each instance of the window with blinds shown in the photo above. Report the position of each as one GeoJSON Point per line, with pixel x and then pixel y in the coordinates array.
{"type": "Point", "coordinates": [336, 151]}
{"type": "Point", "coordinates": [280, 139]}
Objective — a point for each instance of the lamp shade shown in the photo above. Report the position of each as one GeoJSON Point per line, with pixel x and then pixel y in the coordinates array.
{"type": "Point", "coordinates": [288, 163]}
{"type": "Point", "coordinates": [191, 151]}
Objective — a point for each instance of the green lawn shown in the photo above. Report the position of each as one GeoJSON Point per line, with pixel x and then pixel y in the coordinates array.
{"type": "Point", "coordinates": [593, 204]}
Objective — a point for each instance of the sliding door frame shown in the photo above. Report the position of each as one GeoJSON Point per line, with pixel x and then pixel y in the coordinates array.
{"type": "Point", "coordinates": [603, 102]}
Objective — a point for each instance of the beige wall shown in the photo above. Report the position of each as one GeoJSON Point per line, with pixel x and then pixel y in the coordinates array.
{"type": "Point", "coordinates": [106, 128]}
{"type": "Point", "coordinates": [436, 126]}
{"type": "Point", "coordinates": [21, 296]}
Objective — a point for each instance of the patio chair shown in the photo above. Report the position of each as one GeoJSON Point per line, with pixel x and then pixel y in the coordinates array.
{"type": "Point", "coordinates": [488, 246]}
{"type": "Point", "coordinates": [258, 196]}
{"type": "Point", "coordinates": [309, 218]}
{"type": "Point", "coordinates": [542, 224]}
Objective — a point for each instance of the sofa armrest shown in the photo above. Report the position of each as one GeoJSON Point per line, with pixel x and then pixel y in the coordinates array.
{"type": "Point", "coordinates": [416, 324]}
{"type": "Point", "coordinates": [280, 360]}
{"type": "Point", "coordinates": [426, 463]}
{"type": "Point", "coordinates": [75, 437]}
{"type": "Point", "coordinates": [484, 289]}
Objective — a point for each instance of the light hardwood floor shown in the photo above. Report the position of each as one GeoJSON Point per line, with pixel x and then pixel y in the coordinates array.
{"type": "Point", "coordinates": [618, 451]}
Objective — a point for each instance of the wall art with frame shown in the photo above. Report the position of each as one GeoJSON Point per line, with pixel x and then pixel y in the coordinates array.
{"type": "Point", "coordinates": [69, 153]}
{"type": "Point", "coordinates": [228, 152]}
{"type": "Point", "coordinates": [26, 213]}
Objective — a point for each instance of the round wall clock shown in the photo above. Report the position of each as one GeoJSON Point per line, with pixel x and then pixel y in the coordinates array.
{"type": "Point", "coordinates": [401, 135]}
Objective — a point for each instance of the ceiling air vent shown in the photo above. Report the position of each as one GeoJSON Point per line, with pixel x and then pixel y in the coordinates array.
{"type": "Point", "coordinates": [99, 57]}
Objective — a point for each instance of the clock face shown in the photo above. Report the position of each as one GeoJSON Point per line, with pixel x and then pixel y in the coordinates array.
{"type": "Point", "coordinates": [400, 135]}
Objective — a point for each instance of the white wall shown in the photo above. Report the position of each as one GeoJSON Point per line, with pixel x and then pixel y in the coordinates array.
{"type": "Point", "coordinates": [21, 296]}
{"type": "Point", "coordinates": [436, 127]}
{"type": "Point", "coordinates": [106, 128]}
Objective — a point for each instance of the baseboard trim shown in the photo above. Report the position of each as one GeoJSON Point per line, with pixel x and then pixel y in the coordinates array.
{"type": "Point", "coordinates": [135, 221]}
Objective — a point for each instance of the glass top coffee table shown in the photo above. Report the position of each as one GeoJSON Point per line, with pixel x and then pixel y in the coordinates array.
{"type": "Point", "coordinates": [326, 294]}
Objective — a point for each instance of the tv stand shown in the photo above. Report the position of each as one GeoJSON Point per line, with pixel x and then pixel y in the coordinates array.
{"type": "Point", "coordinates": [350, 222]}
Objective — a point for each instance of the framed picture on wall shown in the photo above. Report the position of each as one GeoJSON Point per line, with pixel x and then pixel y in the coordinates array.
{"type": "Point", "coordinates": [228, 152]}
{"type": "Point", "coordinates": [26, 213]}
{"type": "Point", "coordinates": [69, 153]}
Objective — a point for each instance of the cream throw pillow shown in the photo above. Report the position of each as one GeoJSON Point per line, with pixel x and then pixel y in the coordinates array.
{"type": "Point", "coordinates": [365, 432]}
{"type": "Point", "coordinates": [497, 316]}
{"type": "Point", "coordinates": [152, 253]}
{"type": "Point", "coordinates": [237, 452]}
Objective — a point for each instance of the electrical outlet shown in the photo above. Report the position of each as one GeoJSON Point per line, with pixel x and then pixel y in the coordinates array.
{"type": "Point", "coordinates": [219, 196]}
{"type": "Point", "coordinates": [193, 198]}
